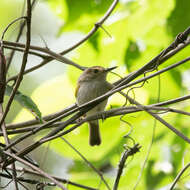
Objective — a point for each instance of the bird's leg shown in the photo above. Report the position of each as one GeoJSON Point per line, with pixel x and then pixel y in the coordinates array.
{"type": "Point", "coordinates": [80, 118]}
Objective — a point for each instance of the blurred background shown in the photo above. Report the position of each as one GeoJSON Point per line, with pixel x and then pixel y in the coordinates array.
{"type": "Point", "coordinates": [138, 31]}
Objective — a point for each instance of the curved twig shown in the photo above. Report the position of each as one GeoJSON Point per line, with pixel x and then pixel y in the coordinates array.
{"type": "Point", "coordinates": [178, 176]}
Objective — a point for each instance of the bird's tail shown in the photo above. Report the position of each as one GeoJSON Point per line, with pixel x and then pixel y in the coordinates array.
{"type": "Point", "coordinates": [94, 138]}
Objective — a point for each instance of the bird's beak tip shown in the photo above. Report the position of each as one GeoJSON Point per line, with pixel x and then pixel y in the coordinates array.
{"type": "Point", "coordinates": [111, 68]}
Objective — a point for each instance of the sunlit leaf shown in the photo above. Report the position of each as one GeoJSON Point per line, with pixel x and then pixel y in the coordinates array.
{"type": "Point", "coordinates": [132, 53]}
{"type": "Point", "coordinates": [174, 21]}
{"type": "Point", "coordinates": [26, 102]}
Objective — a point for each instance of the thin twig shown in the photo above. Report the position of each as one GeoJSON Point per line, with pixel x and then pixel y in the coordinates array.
{"type": "Point", "coordinates": [24, 61]}
{"type": "Point", "coordinates": [99, 115]}
{"type": "Point", "coordinates": [169, 126]}
{"type": "Point", "coordinates": [52, 56]}
{"type": "Point", "coordinates": [47, 118]}
{"type": "Point", "coordinates": [36, 169]}
{"type": "Point", "coordinates": [18, 38]}
{"type": "Point", "coordinates": [159, 72]}
{"type": "Point", "coordinates": [97, 25]}
{"type": "Point", "coordinates": [52, 135]}
{"type": "Point", "coordinates": [2, 88]}
{"type": "Point", "coordinates": [65, 181]}
{"type": "Point", "coordinates": [17, 19]}
{"type": "Point", "coordinates": [178, 176]}
{"type": "Point", "coordinates": [43, 56]}
{"type": "Point", "coordinates": [87, 162]}
{"type": "Point", "coordinates": [121, 165]}
{"type": "Point", "coordinates": [151, 142]}
{"type": "Point", "coordinates": [58, 56]}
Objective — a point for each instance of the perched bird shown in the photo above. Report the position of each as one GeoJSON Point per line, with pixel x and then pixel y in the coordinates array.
{"type": "Point", "coordinates": [92, 84]}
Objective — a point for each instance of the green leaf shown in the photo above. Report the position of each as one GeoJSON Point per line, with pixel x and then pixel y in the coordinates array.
{"type": "Point", "coordinates": [26, 102]}
{"type": "Point", "coordinates": [179, 20]}
{"type": "Point", "coordinates": [78, 8]}
{"type": "Point", "coordinates": [176, 75]}
{"type": "Point", "coordinates": [94, 41]}
{"type": "Point", "coordinates": [132, 53]}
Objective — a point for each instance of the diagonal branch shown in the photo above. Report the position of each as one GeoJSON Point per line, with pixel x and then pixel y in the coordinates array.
{"type": "Point", "coordinates": [59, 56]}
{"type": "Point", "coordinates": [24, 61]}
{"type": "Point", "coordinates": [51, 116]}
{"type": "Point", "coordinates": [126, 154]}
{"type": "Point", "coordinates": [173, 129]}
{"type": "Point", "coordinates": [87, 162]}
{"type": "Point", "coordinates": [17, 39]}
{"type": "Point", "coordinates": [36, 169]}
{"type": "Point", "coordinates": [178, 176]}
{"type": "Point", "coordinates": [65, 181]}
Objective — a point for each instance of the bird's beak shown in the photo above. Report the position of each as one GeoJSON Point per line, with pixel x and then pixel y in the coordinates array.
{"type": "Point", "coordinates": [110, 69]}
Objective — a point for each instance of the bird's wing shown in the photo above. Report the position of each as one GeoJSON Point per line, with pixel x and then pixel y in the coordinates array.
{"type": "Point", "coordinates": [76, 90]}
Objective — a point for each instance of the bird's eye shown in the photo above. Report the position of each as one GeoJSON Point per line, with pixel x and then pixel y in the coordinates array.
{"type": "Point", "coordinates": [96, 70]}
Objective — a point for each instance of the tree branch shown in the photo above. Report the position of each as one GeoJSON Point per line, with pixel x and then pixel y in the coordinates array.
{"type": "Point", "coordinates": [24, 61]}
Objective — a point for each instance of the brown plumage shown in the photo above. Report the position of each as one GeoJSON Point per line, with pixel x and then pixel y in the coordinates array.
{"type": "Point", "coordinates": [92, 84]}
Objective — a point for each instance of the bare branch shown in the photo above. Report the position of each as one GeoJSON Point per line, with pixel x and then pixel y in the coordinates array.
{"type": "Point", "coordinates": [36, 169]}
{"type": "Point", "coordinates": [178, 176]}
{"type": "Point", "coordinates": [18, 38]}
{"type": "Point", "coordinates": [121, 165]}
{"type": "Point", "coordinates": [97, 25]}
{"type": "Point", "coordinates": [65, 181]}
{"type": "Point", "coordinates": [87, 162]}
{"type": "Point", "coordinates": [24, 61]}
{"type": "Point", "coordinates": [58, 57]}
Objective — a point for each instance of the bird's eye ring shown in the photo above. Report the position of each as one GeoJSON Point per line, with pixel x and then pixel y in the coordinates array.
{"type": "Point", "coordinates": [96, 70]}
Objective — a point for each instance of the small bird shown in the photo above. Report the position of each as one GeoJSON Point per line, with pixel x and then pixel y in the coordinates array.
{"type": "Point", "coordinates": [92, 84]}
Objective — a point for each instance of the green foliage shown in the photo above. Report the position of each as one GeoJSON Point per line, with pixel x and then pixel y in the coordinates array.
{"type": "Point", "coordinates": [139, 31]}
{"type": "Point", "coordinates": [179, 19]}
{"type": "Point", "coordinates": [26, 102]}
{"type": "Point", "coordinates": [132, 53]}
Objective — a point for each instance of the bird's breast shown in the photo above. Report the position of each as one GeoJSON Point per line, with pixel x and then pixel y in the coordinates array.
{"type": "Point", "coordinates": [90, 90]}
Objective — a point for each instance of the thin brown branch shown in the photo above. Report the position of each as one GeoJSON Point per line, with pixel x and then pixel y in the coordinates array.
{"type": "Point", "coordinates": [17, 19]}
{"type": "Point", "coordinates": [14, 174]}
{"type": "Point", "coordinates": [47, 59]}
{"type": "Point", "coordinates": [2, 74]}
{"type": "Point", "coordinates": [22, 179]}
{"type": "Point", "coordinates": [65, 181]}
{"type": "Point", "coordinates": [99, 115]}
{"type": "Point", "coordinates": [22, 50]}
{"type": "Point", "coordinates": [56, 56]}
{"type": "Point", "coordinates": [169, 126]}
{"type": "Point", "coordinates": [97, 25]}
{"type": "Point", "coordinates": [121, 165]}
{"type": "Point", "coordinates": [15, 150]}
{"type": "Point", "coordinates": [18, 38]}
{"type": "Point", "coordinates": [52, 135]}
{"type": "Point", "coordinates": [87, 162]}
{"type": "Point", "coordinates": [2, 88]}
{"type": "Point", "coordinates": [24, 61]}
{"type": "Point", "coordinates": [47, 118]}
{"type": "Point", "coordinates": [93, 103]}
{"type": "Point", "coordinates": [159, 72]}
{"type": "Point", "coordinates": [5, 135]}
{"type": "Point", "coordinates": [178, 176]}
{"type": "Point", "coordinates": [36, 169]}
